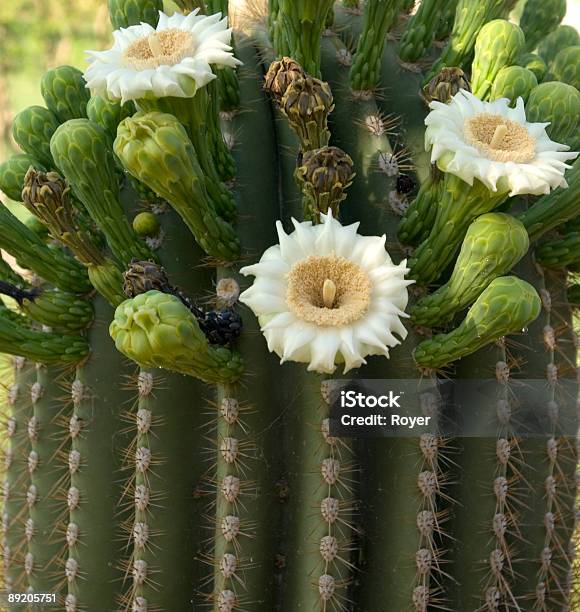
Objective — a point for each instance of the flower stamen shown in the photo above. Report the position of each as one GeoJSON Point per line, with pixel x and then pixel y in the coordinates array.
{"type": "Point", "coordinates": [165, 47]}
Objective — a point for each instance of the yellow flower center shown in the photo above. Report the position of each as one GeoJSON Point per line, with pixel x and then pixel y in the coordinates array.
{"type": "Point", "coordinates": [163, 48]}
{"type": "Point", "coordinates": [328, 291]}
{"type": "Point", "coordinates": [500, 139]}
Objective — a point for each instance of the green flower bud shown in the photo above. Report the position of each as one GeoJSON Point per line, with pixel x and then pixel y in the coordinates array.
{"type": "Point", "coordinates": [155, 149]}
{"type": "Point", "coordinates": [125, 13]}
{"type": "Point", "coordinates": [560, 253]}
{"type": "Point", "coordinates": [444, 85]}
{"type": "Point", "coordinates": [507, 306]}
{"type": "Point", "coordinates": [146, 224]}
{"type": "Point", "coordinates": [494, 243]}
{"type": "Point", "coordinates": [562, 37]}
{"type": "Point", "coordinates": [12, 173]}
{"type": "Point", "coordinates": [61, 311]}
{"type": "Point", "coordinates": [539, 18]}
{"type": "Point", "coordinates": [533, 62]}
{"type": "Point", "coordinates": [498, 44]}
{"type": "Point", "coordinates": [558, 104]}
{"type": "Point", "coordinates": [32, 129]}
{"type": "Point", "coordinates": [566, 67]}
{"type": "Point", "coordinates": [513, 82]}
{"type": "Point", "coordinates": [157, 330]}
{"type": "Point", "coordinates": [108, 114]}
{"type": "Point", "coordinates": [65, 92]}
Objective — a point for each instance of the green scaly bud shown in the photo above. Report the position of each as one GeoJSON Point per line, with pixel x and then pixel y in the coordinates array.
{"type": "Point", "coordinates": [513, 82]}
{"type": "Point", "coordinates": [62, 312]}
{"type": "Point", "coordinates": [12, 173]}
{"type": "Point", "coordinates": [560, 253]}
{"type": "Point", "coordinates": [125, 13]}
{"type": "Point", "coordinates": [419, 217]}
{"type": "Point", "coordinates": [156, 330]}
{"type": "Point", "coordinates": [445, 84]}
{"type": "Point", "coordinates": [566, 67]}
{"type": "Point", "coordinates": [32, 129]}
{"type": "Point", "coordinates": [155, 149]}
{"type": "Point", "coordinates": [557, 104]}
{"type": "Point", "coordinates": [498, 44]}
{"type": "Point", "coordinates": [108, 114]}
{"type": "Point", "coordinates": [540, 17]}
{"type": "Point", "coordinates": [82, 151]}
{"type": "Point", "coordinates": [506, 306]}
{"type": "Point", "coordinates": [494, 243]}
{"type": "Point", "coordinates": [325, 174]}
{"type": "Point", "coordinates": [65, 92]}
{"type": "Point", "coordinates": [533, 62]}
{"type": "Point", "coordinates": [562, 37]}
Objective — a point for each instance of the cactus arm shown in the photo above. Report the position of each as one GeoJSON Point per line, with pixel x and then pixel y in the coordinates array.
{"type": "Point", "coordinates": [560, 253]}
{"type": "Point", "coordinates": [554, 209]}
{"type": "Point", "coordinates": [32, 129]}
{"type": "Point", "coordinates": [459, 204]}
{"type": "Point", "coordinates": [494, 243]}
{"type": "Point", "coordinates": [82, 151]}
{"type": "Point", "coordinates": [15, 477]}
{"type": "Point", "coordinates": [379, 17]}
{"type": "Point", "coordinates": [498, 44]}
{"type": "Point", "coordinates": [507, 305]}
{"type": "Point", "coordinates": [53, 265]}
{"type": "Point", "coordinates": [125, 13]}
{"type": "Point", "coordinates": [65, 93]}
{"type": "Point", "coordinates": [421, 29]}
{"type": "Point", "coordinates": [539, 18]}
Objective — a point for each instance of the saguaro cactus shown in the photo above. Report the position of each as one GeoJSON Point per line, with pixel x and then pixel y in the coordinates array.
{"type": "Point", "coordinates": [229, 229]}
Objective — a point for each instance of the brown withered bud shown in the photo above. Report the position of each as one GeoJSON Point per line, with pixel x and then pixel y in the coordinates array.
{"type": "Point", "coordinates": [443, 86]}
{"type": "Point", "coordinates": [143, 276]}
{"type": "Point", "coordinates": [279, 76]}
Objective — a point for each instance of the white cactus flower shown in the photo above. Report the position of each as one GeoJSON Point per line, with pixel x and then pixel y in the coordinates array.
{"type": "Point", "coordinates": [174, 59]}
{"type": "Point", "coordinates": [494, 143]}
{"type": "Point", "coordinates": [327, 295]}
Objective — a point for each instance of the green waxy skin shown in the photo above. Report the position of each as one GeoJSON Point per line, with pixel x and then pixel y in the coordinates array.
{"type": "Point", "coordinates": [558, 104]}
{"type": "Point", "coordinates": [470, 17]}
{"type": "Point", "coordinates": [150, 141]}
{"type": "Point", "coordinates": [498, 44]}
{"type": "Point", "coordinates": [561, 253]}
{"type": "Point", "coordinates": [82, 152]}
{"type": "Point", "coordinates": [458, 206]}
{"type": "Point", "coordinates": [556, 208]}
{"type": "Point", "coordinates": [513, 82]}
{"type": "Point", "coordinates": [540, 17]}
{"type": "Point", "coordinates": [108, 114]}
{"type": "Point", "coordinates": [62, 312]}
{"type": "Point", "coordinates": [12, 173]}
{"type": "Point", "coordinates": [125, 13]}
{"type": "Point", "coordinates": [506, 306]}
{"type": "Point", "coordinates": [566, 67]}
{"type": "Point", "coordinates": [533, 62]}
{"type": "Point", "coordinates": [379, 17]}
{"type": "Point", "coordinates": [156, 330]}
{"type": "Point", "coordinates": [32, 129]}
{"type": "Point", "coordinates": [562, 37]}
{"type": "Point", "coordinates": [65, 93]}
{"type": "Point", "coordinates": [422, 29]}
{"type": "Point", "coordinates": [494, 243]}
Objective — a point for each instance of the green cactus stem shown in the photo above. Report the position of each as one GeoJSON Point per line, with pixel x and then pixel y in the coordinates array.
{"type": "Point", "coordinates": [560, 253]}
{"type": "Point", "coordinates": [562, 37]}
{"type": "Point", "coordinates": [539, 18]}
{"type": "Point", "coordinates": [422, 28]}
{"type": "Point", "coordinates": [379, 17]}
{"type": "Point", "coordinates": [52, 264]}
{"type": "Point", "coordinates": [65, 93]}
{"type": "Point", "coordinates": [458, 206]}
{"type": "Point", "coordinates": [45, 552]}
{"type": "Point", "coordinates": [533, 62]}
{"type": "Point", "coordinates": [125, 13]}
{"type": "Point", "coordinates": [507, 305]}
{"type": "Point", "coordinates": [82, 152]}
{"type": "Point", "coordinates": [192, 113]}
{"type": "Point", "coordinates": [223, 160]}
{"type": "Point", "coordinates": [32, 129]}
{"type": "Point", "coordinates": [513, 82]}
{"type": "Point", "coordinates": [497, 46]}
{"type": "Point", "coordinates": [15, 477]}
{"type": "Point", "coordinates": [494, 243]}
{"type": "Point", "coordinates": [555, 208]}
{"type": "Point", "coordinates": [445, 22]}
{"type": "Point", "coordinates": [148, 141]}
{"type": "Point", "coordinates": [470, 17]}
{"type": "Point", "coordinates": [415, 224]}
{"type": "Point", "coordinates": [12, 173]}
{"type": "Point", "coordinates": [301, 23]}
{"type": "Point", "coordinates": [566, 67]}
